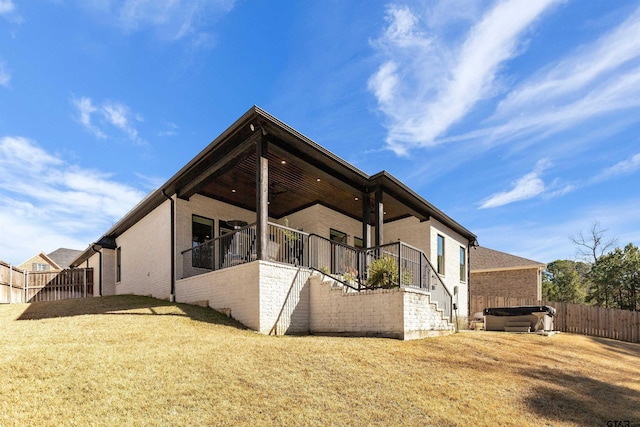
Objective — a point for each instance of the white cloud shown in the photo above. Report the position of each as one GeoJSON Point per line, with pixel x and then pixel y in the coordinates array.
{"type": "Point", "coordinates": [173, 19]}
{"type": "Point", "coordinates": [616, 94]}
{"type": "Point", "coordinates": [6, 6]}
{"type": "Point", "coordinates": [589, 63]}
{"type": "Point", "coordinates": [624, 167]}
{"type": "Point", "coordinates": [171, 130]}
{"type": "Point", "coordinates": [4, 75]}
{"type": "Point", "coordinates": [526, 187]}
{"type": "Point", "coordinates": [595, 80]}
{"type": "Point", "coordinates": [85, 108]}
{"type": "Point", "coordinates": [46, 203]}
{"type": "Point", "coordinates": [113, 114]}
{"type": "Point", "coordinates": [119, 116]}
{"type": "Point", "coordinates": [442, 83]}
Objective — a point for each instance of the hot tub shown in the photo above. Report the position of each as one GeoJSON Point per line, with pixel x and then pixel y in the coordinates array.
{"type": "Point", "coordinates": [531, 318]}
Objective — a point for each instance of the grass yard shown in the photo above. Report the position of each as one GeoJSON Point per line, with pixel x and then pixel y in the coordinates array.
{"type": "Point", "coordinates": [139, 361]}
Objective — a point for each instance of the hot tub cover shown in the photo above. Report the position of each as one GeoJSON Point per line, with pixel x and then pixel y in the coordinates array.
{"type": "Point", "coordinates": [520, 311]}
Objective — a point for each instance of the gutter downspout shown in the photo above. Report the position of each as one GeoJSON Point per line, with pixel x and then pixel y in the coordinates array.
{"type": "Point", "coordinates": [172, 295]}
{"type": "Point", "coordinates": [100, 262]}
{"type": "Point", "coordinates": [471, 244]}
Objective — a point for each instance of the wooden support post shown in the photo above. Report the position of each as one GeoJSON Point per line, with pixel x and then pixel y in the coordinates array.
{"type": "Point", "coordinates": [262, 199]}
{"type": "Point", "coordinates": [379, 217]}
{"type": "Point", "coordinates": [366, 221]}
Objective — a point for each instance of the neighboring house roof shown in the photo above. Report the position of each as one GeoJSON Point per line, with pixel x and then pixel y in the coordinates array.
{"type": "Point", "coordinates": [484, 259]}
{"type": "Point", "coordinates": [63, 257]}
{"type": "Point", "coordinates": [28, 264]}
{"type": "Point", "coordinates": [301, 174]}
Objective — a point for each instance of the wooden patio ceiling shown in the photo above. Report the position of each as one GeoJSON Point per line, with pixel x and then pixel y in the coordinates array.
{"type": "Point", "coordinates": [295, 184]}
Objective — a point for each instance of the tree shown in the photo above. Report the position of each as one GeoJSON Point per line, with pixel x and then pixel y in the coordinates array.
{"type": "Point", "coordinates": [616, 279]}
{"type": "Point", "coordinates": [593, 244]}
{"type": "Point", "coordinates": [565, 281]}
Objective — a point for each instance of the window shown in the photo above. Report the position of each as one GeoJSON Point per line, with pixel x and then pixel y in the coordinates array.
{"type": "Point", "coordinates": [440, 254]}
{"type": "Point", "coordinates": [338, 262]}
{"type": "Point", "coordinates": [40, 267]}
{"type": "Point", "coordinates": [337, 236]}
{"type": "Point", "coordinates": [357, 242]}
{"type": "Point", "coordinates": [463, 264]}
{"type": "Point", "coordinates": [118, 264]}
{"type": "Point", "coordinates": [201, 232]}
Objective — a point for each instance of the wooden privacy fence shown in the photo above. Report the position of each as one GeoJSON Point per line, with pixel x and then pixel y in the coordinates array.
{"type": "Point", "coordinates": [20, 286]}
{"type": "Point", "coordinates": [54, 286]}
{"type": "Point", "coordinates": [623, 325]}
{"type": "Point", "coordinates": [12, 283]}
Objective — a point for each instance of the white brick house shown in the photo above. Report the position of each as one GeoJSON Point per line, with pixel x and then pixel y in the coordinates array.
{"type": "Point", "coordinates": [272, 228]}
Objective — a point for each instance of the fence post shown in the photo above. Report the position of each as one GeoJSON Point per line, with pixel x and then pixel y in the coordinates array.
{"type": "Point", "coordinates": [10, 283]}
{"type": "Point", "coordinates": [84, 281]}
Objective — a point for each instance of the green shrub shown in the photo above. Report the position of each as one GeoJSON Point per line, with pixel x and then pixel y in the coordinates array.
{"type": "Point", "coordinates": [383, 273]}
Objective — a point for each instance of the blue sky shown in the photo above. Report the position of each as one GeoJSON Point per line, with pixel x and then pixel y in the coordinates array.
{"type": "Point", "coordinates": [519, 119]}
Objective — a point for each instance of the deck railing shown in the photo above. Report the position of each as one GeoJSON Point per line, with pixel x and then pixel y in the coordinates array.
{"type": "Point", "coordinates": [233, 248]}
{"type": "Point", "coordinates": [336, 259]}
{"type": "Point", "coordinates": [349, 265]}
{"type": "Point", "coordinates": [239, 247]}
{"type": "Point", "coordinates": [414, 270]}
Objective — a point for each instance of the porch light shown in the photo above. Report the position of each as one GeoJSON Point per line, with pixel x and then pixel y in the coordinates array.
{"type": "Point", "coordinates": [233, 190]}
{"type": "Point", "coordinates": [357, 199]}
{"type": "Point", "coordinates": [283, 162]}
{"type": "Point", "coordinates": [317, 179]}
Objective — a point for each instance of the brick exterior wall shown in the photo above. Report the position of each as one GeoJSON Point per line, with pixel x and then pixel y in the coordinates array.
{"type": "Point", "coordinates": [318, 219]}
{"type": "Point", "coordinates": [235, 288]}
{"type": "Point", "coordinates": [284, 299]}
{"type": "Point", "coordinates": [451, 277]}
{"type": "Point", "coordinates": [411, 231]}
{"type": "Point", "coordinates": [109, 272]}
{"type": "Point", "coordinates": [394, 313]}
{"type": "Point", "coordinates": [94, 262]}
{"type": "Point", "coordinates": [268, 297]}
{"type": "Point", "coordinates": [278, 299]}
{"type": "Point", "coordinates": [515, 283]}
{"type": "Point", "coordinates": [146, 257]}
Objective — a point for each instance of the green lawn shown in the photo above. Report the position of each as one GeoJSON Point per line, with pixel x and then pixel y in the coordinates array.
{"type": "Point", "coordinates": [139, 361]}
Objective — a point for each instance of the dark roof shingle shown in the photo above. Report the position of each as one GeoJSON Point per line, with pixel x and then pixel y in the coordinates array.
{"type": "Point", "coordinates": [488, 259]}
{"type": "Point", "coordinates": [64, 257]}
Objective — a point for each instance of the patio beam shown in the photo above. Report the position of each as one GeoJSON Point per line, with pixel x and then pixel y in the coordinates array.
{"type": "Point", "coordinates": [262, 198]}
{"type": "Point", "coordinates": [224, 162]}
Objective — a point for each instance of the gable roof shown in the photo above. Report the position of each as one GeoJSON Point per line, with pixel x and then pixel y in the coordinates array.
{"type": "Point", "coordinates": [41, 256]}
{"type": "Point", "coordinates": [63, 257]}
{"type": "Point", "coordinates": [485, 259]}
{"type": "Point", "coordinates": [301, 173]}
